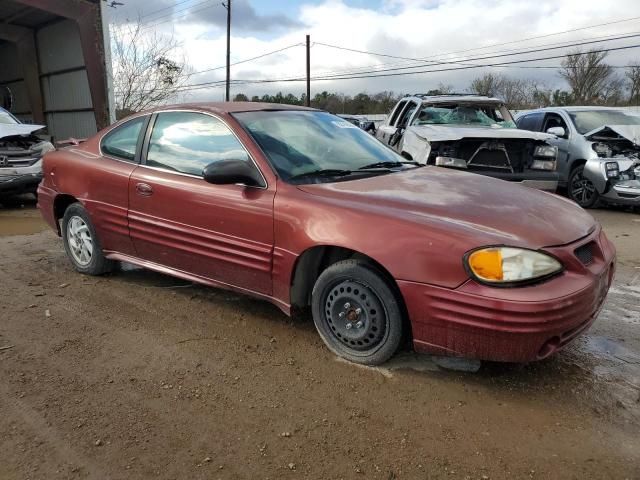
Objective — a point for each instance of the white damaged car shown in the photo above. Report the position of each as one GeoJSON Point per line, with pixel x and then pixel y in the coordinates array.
{"type": "Point", "coordinates": [471, 133]}
{"type": "Point", "coordinates": [21, 154]}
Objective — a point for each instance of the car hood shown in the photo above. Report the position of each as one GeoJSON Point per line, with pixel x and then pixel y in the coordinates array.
{"type": "Point", "coordinates": [441, 133]}
{"type": "Point", "coordinates": [630, 132]}
{"type": "Point", "coordinates": [480, 209]}
{"type": "Point", "coordinates": [8, 130]}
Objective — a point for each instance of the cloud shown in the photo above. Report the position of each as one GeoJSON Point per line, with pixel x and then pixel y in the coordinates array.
{"type": "Point", "coordinates": [447, 30]}
{"type": "Point", "coordinates": [165, 12]}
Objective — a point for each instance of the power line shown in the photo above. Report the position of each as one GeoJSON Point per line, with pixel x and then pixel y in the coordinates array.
{"type": "Point", "coordinates": [248, 59]}
{"type": "Point", "coordinates": [500, 44]}
{"type": "Point", "coordinates": [524, 52]}
{"type": "Point", "coordinates": [164, 8]}
{"type": "Point", "coordinates": [299, 79]}
{"type": "Point", "coordinates": [189, 10]}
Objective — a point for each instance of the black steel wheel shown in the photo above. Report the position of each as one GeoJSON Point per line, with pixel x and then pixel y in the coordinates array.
{"type": "Point", "coordinates": [582, 190]}
{"type": "Point", "coordinates": [356, 313]}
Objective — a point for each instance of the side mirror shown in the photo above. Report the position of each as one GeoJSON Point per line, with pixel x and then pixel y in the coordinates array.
{"type": "Point", "coordinates": [557, 131]}
{"type": "Point", "coordinates": [228, 172]}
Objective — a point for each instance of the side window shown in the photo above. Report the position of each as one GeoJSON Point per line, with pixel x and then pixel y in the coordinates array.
{"type": "Point", "coordinates": [186, 142]}
{"type": "Point", "coordinates": [554, 120]}
{"type": "Point", "coordinates": [406, 115]}
{"type": "Point", "coordinates": [121, 142]}
{"type": "Point", "coordinates": [396, 112]}
{"type": "Point", "coordinates": [530, 122]}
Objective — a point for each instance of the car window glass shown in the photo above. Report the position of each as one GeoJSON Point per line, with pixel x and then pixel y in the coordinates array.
{"type": "Point", "coordinates": [122, 141]}
{"type": "Point", "coordinates": [529, 122]}
{"type": "Point", "coordinates": [459, 114]}
{"type": "Point", "coordinates": [396, 112]}
{"type": "Point", "coordinates": [554, 120]}
{"type": "Point", "coordinates": [186, 142]}
{"type": "Point", "coordinates": [406, 115]}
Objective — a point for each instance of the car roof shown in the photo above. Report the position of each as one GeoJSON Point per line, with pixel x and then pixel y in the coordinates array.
{"type": "Point", "coordinates": [454, 99]}
{"type": "Point", "coordinates": [232, 107]}
{"type": "Point", "coordinates": [573, 109]}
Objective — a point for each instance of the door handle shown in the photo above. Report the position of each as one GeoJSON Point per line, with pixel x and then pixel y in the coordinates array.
{"type": "Point", "coordinates": [144, 189]}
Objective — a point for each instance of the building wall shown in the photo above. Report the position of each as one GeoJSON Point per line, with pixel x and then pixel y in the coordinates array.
{"type": "Point", "coordinates": [65, 87]}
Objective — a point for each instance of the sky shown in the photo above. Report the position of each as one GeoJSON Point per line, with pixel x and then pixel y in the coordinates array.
{"type": "Point", "coordinates": [444, 31]}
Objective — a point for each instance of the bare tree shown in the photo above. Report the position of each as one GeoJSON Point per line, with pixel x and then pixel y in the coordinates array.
{"type": "Point", "coordinates": [148, 68]}
{"type": "Point", "coordinates": [488, 85]}
{"type": "Point", "coordinates": [588, 75]}
{"type": "Point", "coordinates": [633, 83]}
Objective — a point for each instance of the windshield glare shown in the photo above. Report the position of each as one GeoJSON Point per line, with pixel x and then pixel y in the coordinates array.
{"type": "Point", "coordinates": [496, 116]}
{"type": "Point", "coordinates": [589, 120]}
{"type": "Point", "coordinates": [300, 142]}
{"type": "Point", "coordinates": [7, 118]}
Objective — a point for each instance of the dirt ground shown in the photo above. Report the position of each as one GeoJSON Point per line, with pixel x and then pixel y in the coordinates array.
{"type": "Point", "coordinates": [138, 375]}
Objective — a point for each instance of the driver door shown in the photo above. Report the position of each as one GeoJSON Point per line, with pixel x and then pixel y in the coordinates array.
{"type": "Point", "coordinates": [176, 219]}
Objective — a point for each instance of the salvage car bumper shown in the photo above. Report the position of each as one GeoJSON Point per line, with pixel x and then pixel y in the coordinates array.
{"type": "Point", "coordinates": [18, 184]}
{"type": "Point", "coordinates": [624, 193]}
{"type": "Point", "coordinates": [547, 181]}
{"type": "Point", "coordinates": [514, 324]}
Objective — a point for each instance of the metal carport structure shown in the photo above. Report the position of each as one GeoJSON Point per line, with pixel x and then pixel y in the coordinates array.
{"type": "Point", "coordinates": [54, 59]}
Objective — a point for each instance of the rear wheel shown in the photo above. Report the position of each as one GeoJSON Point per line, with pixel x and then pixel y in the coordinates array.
{"type": "Point", "coordinates": [81, 242]}
{"type": "Point", "coordinates": [582, 190]}
{"type": "Point", "coordinates": [357, 313]}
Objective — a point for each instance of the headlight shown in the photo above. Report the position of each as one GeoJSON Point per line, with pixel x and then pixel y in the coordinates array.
{"type": "Point", "coordinates": [543, 165]}
{"type": "Point", "coordinates": [549, 151]}
{"type": "Point", "coordinates": [602, 149]}
{"type": "Point", "coordinates": [44, 147]}
{"type": "Point", "coordinates": [451, 162]}
{"type": "Point", "coordinates": [612, 169]}
{"type": "Point", "coordinates": [504, 265]}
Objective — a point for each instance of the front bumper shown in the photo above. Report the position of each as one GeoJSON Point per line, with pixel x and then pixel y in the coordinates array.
{"type": "Point", "coordinates": [547, 181]}
{"type": "Point", "coordinates": [513, 324]}
{"type": "Point", "coordinates": [18, 184]}
{"type": "Point", "coordinates": [626, 192]}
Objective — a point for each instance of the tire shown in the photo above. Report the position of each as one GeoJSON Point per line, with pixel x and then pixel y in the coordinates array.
{"type": "Point", "coordinates": [352, 292]}
{"type": "Point", "coordinates": [81, 242]}
{"type": "Point", "coordinates": [582, 190]}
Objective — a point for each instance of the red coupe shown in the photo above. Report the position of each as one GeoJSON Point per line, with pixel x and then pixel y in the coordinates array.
{"type": "Point", "coordinates": [305, 210]}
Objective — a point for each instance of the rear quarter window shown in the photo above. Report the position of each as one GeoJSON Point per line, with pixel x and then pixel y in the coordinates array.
{"type": "Point", "coordinates": [530, 121]}
{"type": "Point", "coordinates": [122, 141]}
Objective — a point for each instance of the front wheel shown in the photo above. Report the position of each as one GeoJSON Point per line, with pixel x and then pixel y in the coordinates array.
{"type": "Point", "coordinates": [356, 313]}
{"type": "Point", "coordinates": [81, 242]}
{"type": "Point", "coordinates": [582, 190]}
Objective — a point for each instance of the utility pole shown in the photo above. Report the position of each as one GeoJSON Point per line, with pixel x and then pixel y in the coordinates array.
{"type": "Point", "coordinates": [308, 70]}
{"type": "Point", "coordinates": [228, 7]}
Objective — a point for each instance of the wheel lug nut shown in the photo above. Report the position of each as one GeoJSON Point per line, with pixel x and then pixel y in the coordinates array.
{"type": "Point", "coordinates": [358, 311]}
{"type": "Point", "coordinates": [359, 324]}
{"type": "Point", "coordinates": [348, 326]}
{"type": "Point", "coordinates": [341, 314]}
{"type": "Point", "coordinates": [347, 305]}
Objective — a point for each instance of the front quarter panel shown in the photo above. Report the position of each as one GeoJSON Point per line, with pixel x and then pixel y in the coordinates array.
{"type": "Point", "coordinates": [406, 250]}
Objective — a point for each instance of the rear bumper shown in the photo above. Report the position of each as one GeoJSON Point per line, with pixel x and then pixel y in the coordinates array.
{"type": "Point", "coordinates": [46, 198]}
{"type": "Point", "coordinates": [512, 324]}
{"type": "Point", "coordinates": [17, 184]}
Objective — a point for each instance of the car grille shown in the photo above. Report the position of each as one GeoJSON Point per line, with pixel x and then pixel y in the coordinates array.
{"type": "Point", "coordinates": [585, 253]}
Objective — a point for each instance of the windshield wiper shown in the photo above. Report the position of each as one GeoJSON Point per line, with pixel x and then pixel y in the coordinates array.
{"type": "Point", "coordinates": [322, 172]}
{"type": "Point", "coordinates": [390, 164]}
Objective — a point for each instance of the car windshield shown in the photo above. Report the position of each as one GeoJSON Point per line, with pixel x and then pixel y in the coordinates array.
{"type": "Point", "coordinates": [299, 143]}
{"type": "Point", "coordinates": [588, 120]}
{"type": "Point", "coordinates": [496, 116]}
{"type": "Point", "coordinates": [7, 118]}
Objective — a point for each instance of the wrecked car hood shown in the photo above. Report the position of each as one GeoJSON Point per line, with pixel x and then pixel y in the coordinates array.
{"type": "Point", "coordinates": [8, 130]}
{"type": "Point", "coordinates": [630, 132]}
{"type": "Point", "coordinates": [483, 210]}
{"type": "Point", "coordinates": [443, 133]}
